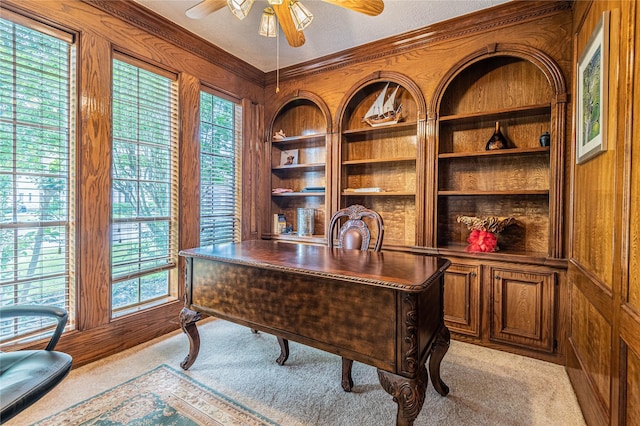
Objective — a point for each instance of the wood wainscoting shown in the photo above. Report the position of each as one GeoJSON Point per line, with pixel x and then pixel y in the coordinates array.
{"type": "Point", "coordinates": [604, 257]}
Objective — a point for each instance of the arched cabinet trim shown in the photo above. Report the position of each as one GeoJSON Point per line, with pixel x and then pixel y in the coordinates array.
{"type": "Point", "coordinates": [299, 95]}
{"type": "Point", "coordinates": [297, 160]}
{"type": "Point", "coordinates": [383, 167]}
{"type": "Point", "coordinates": [394, 77]}
{"type": "Point", "coordinates": [540, 105]}
{"type": "Point", "coordinates": [540, 59]}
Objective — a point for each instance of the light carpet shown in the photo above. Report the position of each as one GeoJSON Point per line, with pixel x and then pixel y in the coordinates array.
{"type": "Point", "coordinates": [488, 387]}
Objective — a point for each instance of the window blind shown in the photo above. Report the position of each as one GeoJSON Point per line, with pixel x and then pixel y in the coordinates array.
{"type": "Point", "coordinates": [36, 172]}
{"type": "Point", "coordinates": [144, 184]}
{"type": "Point", "coordinates": [220, 171]}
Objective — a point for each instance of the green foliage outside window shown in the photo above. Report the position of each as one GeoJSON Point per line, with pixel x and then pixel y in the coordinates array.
{"type": "Point", "coordinates": [35, 173]}
{"type": "Point", "coordinates": [144, 184]}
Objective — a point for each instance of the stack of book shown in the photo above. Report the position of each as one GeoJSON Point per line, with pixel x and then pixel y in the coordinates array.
{"type": "Point", "coordinates": [279, 223]}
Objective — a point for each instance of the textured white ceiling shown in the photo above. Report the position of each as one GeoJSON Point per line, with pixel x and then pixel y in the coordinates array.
{"type": "Point", "coordinates": [333, 29]}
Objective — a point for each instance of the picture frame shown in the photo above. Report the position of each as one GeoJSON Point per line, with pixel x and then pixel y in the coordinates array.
{"type": "Point", "coordinates": [289, 157]}
{"type": "Point", "coordinates": [592, 88]}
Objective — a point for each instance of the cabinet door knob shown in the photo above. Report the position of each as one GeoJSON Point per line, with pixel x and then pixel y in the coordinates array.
{"type": "Point", "coordinates": [472, 274]}
{"type": "Point", "coordinates": [497, 277]}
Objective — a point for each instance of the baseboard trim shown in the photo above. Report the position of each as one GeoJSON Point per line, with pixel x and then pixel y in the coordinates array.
{"type": "Point", "coordinates": [593, 409]}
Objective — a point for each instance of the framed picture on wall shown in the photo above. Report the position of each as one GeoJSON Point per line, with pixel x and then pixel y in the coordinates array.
{"type": "Point", "coordinates": [592, 81]}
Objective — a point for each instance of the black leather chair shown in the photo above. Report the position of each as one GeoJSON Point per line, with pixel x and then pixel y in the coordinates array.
{"type": "Point", "coordinates": [27, 375]}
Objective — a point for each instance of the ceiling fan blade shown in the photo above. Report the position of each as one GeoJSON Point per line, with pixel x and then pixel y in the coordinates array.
{"type": "Point", "coordinates": [294, 37]}
{"type": "Point", "coordinates": [368, 7]}
{"type": "Point", "coordinates": [204, 8]}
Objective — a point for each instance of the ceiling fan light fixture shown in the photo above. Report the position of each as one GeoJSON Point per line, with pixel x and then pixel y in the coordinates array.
{"type": "Point", "coordinates": [277, 2]}
{"type": "Point", "coordinates": [268, 26]}
{"type": "Point", "coordinates": [302, 17]}
{"type": "Point", "coordinates": [240, 8]}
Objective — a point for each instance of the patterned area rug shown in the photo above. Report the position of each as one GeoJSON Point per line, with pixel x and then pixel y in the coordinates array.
{"type": "Point", "coordinates": [162, 396]}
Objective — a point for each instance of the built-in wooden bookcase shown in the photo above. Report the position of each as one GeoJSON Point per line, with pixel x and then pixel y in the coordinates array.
{"type": "Point", "coordinates": [513, 182]}
{"type": "Point", "coordinates": [385, 159]}
{"type": "Point", "coordinates": [507, 298]}
{"type": "Point", "coordinates": [305, 121]}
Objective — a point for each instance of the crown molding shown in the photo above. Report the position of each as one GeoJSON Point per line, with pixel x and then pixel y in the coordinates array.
{"type": "Point", "coordinates": [506, 14]}
{"type": "Point", "coordinates": [149, 21]}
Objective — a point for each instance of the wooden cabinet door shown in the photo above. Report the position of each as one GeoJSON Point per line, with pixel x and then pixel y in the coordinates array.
{"type": "Point", "coordinates": [462, 299]}
{"type": "Point", "coordinates": [522, 307]}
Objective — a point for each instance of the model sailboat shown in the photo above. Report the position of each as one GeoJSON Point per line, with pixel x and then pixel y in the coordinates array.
{"type": "Point", "coordinates": [384, 112]}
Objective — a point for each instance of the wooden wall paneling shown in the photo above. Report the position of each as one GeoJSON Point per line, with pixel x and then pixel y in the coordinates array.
{"type": "Point", "coordinates": [592, 340]}
{"type": "Point", "coordinates": [620, 79]}
{"type": "Point", "coordinates": [189, 170]}
{"type": "Point", "coordinates": [627, 390]}
{"type": "Point", "coordinates": [633, 140]}
{"type": "Point", "coordinates": [603, 239]}
{"type": "Point", "coordinates": [594, 191]}
{"type": "Point", "coordinates": [630, 409]}
{"type": "Point", "coordinates": [253, 195]}
{"type": "Point", "coordinates": [592, 407]}
{"type": "Point", "coordinates": [98, 342]}
{"type": "Point", "coordinates": [93, 261]}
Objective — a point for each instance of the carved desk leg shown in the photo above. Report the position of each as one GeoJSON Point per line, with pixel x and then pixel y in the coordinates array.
{"type": "Point", "coordinates": [188, 320]}
{"type": "Point", "coordinates": [347, 381]}
{"type": "Point", "coordinates": [407, 393]}
{"type": "Point", "coordinates": [284, 350]}
{"type": "Point", "coordinates": [439, 348]}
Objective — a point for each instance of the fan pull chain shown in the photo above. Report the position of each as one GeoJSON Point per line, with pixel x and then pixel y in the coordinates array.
{"type": "Point", "coordinates": [278, 58]}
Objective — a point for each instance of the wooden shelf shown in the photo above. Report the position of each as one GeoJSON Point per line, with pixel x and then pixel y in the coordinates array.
{"type": "Point", "coordinates": [299, 194]}
{"type": "Point", "coordinates": [379, 160]}
{"type": "Point", "coordinates": [379, 194]}
{"type": "Point", "coordinates": [300, 167]}
{"type": "Point", "coordinates": [493, 193]}
{"type": "Point", "coordinates": [307, 139]}
{"type": "Point", "coordinates": [405, 125]}
{"type": "Point", "coordinates": [385, 157]}
{"type": "Point", "coordinates": [497, 152]}
{"type": "Point", "coordinates": [529, 257]}
{"type": "Point", "coordinates": [305, 120]}
{"type": "Point", "coordinates": [498, 114]}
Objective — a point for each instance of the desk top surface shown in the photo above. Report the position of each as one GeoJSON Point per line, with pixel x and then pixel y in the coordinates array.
{"type": "Point", "coordinates": [407, 271]}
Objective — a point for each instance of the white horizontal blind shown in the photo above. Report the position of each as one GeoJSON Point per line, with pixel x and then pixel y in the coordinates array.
{"type": "Point", "coordinates": [36, 172]}
{"type": "Point", "coordinates": [144, 185]}
{"type": "Point", "coordinates": [220, 173]}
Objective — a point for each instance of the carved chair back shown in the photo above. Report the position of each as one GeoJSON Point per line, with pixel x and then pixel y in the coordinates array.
{"type": "Point", "coordinates": [354, 232]}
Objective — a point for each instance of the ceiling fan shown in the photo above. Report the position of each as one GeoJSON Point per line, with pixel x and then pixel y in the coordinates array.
{"type": "Point", "coordinates": [292, 15]}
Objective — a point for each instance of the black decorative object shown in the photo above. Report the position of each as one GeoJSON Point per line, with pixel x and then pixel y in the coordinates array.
{"type": "Point", "coordinates": [497, 141]}
{"type": "Point", "coordinates": [545, 139]}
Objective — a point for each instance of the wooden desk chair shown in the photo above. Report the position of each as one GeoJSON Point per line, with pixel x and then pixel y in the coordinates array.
{"type": "Point", "coordinates": [27, 375]}
{"type": "Point", "coordinates": [354, 233]}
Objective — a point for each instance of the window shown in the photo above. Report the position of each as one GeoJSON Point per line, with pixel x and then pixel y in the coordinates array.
{"type": "Point", "coordinates": [144, 237]}
{"type": "Point", "coordinates": [220, 147]}
{"type": "Point", "coordinates": [36, 171]}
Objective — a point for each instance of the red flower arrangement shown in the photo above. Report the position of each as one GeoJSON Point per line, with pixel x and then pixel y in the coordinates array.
{"type": "Point", "coordinates": [483, 241]}
{"type": "Point", "coordinates": [483, 232]}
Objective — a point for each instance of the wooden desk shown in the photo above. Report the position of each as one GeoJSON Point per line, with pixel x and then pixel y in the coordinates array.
{"type": "Point", "coordinates": [383, 309]}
